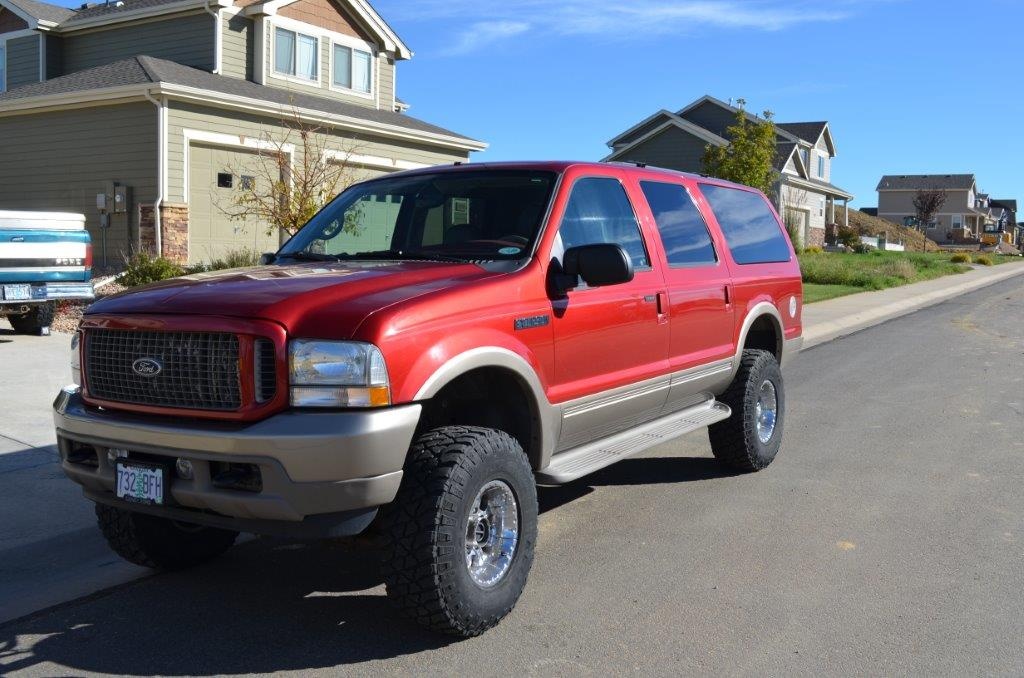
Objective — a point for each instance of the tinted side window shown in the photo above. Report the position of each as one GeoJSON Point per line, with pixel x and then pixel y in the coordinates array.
{"type": "Point", "coordinates": [683, 231]}
{"type": "Point", "coordinates": [751, 230]}
{"type": "Point", "coordinates": [599, 212]}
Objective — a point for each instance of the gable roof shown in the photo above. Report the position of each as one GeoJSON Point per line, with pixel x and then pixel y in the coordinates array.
{"type": "Point", "coordinates": [1006, 204]}
{"type": "Point", "coordinates": [146, 73]}
{"type": "Point", "coordinates": [36, 12]}
{"type": "Point", "coordinates": [914, 182]}
{"type": "Point", "coordinates": [808, 131]}
{"type": "Point", "coordinates": [671, 121]}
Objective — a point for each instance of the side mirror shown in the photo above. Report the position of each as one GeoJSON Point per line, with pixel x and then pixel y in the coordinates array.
{"type": "Point", "coordinates": [598, 265]}
{"type": "Point", "coordinates": [267, 258]}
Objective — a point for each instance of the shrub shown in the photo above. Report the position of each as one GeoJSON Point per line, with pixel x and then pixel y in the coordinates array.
{"type": "Point", "coordinates": [848, 236]}
{"type": "Point", "coordinates": [960, 258]}
{"type": "Point", "coordinates": [813, 249]}
{"type": "Point", "coordinates": [984, 260]}
{"type": "Point", "coordinates": [240, 258]}
{"type": "Point", "coordinates": [141, 268]}
{"type": "Point", "coordinates": [862, 247]}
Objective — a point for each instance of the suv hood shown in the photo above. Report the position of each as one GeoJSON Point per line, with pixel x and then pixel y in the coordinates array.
{"type": "Point", "coordinates": [327, 298]}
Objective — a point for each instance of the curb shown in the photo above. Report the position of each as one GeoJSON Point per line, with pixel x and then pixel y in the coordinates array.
{"type": "Point", "coordinates": [820, 332]}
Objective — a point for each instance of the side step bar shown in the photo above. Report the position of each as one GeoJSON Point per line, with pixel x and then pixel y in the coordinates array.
{"type": "Point", "coordinates": [591, 457]}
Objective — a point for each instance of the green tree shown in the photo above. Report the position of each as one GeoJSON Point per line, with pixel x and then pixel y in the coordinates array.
{"type": "Point", "coordinates": [749, 158]}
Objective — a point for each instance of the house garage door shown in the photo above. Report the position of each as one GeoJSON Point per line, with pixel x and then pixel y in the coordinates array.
{"type": "Point", "coordinates": [216, 179]}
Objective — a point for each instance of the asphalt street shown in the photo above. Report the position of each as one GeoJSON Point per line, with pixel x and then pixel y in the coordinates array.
{"type": "Point", "coordinates": [887, 538]}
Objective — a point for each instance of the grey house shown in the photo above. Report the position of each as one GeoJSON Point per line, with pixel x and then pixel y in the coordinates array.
{"type": "Point", "coordinates": [155, 112]}
{"type": "Point", "coordinates": [965, 217]}
{"type": "Point", "coordinates": [804, 194]}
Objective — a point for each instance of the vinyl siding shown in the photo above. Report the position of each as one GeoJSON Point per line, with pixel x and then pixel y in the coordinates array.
{"type": "Point", "coordinates": [190, 116]}
{"type": "Point", "coordinates": [386, 71]}
{"type": "Point", "coordinates": [902, 202]}
{"type": "Point", "coordinates": [239, 45]}
{"type": "Point", "coordinates": [821, 149]}
{"type": "Point", "coordinates": [9, 21]}
{"type": "Point", "coordinates": [22, 61]}
{"type": "Point", "coordinates": [187, 39]}
{"type": "Point", "coordinates": [54, 55]}
{"type": "Point", "coordinates": [672, 149]}
{"type": "Point", "coordinates": [806, 200]}
{"type": "Point", "coordinates": [64, 158]}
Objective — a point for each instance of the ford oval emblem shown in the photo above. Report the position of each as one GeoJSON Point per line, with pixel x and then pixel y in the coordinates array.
{"type": "Point", "coordinates": [147, 367]}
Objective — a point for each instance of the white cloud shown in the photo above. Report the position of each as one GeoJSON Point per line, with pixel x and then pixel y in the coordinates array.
{"type": "Point", "coordinates": [494, 21]}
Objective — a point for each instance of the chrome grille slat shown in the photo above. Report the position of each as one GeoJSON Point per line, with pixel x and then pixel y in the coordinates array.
{"type": "Point", "coordinates": [265, 370]}
{"type": "Point", "coordinates": [199, 369]}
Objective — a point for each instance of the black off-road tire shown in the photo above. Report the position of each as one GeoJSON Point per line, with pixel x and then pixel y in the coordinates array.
{"type": "Point", "coordinates": [735, 441]}
{"type": "Point", "coordinates": [425, 529]}
{"type": "Point", "coordinates": [160, 543]}
{"type": "Point", "coordinates": [36, 322]}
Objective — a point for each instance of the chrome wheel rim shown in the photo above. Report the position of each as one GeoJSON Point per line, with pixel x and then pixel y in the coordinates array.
{"type": "Point", "coordinates": [766, 411]}
{"type": "Point", "coordinates": [492, 534]}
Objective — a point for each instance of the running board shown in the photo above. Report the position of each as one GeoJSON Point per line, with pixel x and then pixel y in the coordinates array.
{"type": "Point", "coordinates": [594, 456]}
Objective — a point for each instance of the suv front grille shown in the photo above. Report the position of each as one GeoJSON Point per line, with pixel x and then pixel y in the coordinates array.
{"type": "Point", "coordinates": [265, 370]}
{"type": "Point", "coordinates": [189, 370]}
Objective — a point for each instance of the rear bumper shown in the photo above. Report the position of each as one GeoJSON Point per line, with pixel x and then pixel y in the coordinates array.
{"type": "Point", "coordinates": [51, 291]}
{"type": "Point", "coordinates": [313, 466]}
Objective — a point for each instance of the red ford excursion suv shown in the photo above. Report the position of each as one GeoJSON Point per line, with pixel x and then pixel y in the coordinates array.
{"type": "Point", "coordinates": [423, 353]}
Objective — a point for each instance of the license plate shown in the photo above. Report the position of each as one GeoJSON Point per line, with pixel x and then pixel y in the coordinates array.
{"type": "Point", "coordinates": [141, 484]}
{"type": "Point", "coordinates": [17, 292]}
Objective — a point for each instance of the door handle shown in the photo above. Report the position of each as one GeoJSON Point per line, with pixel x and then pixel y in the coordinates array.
{"type": "Point", "coordinates": [661, 299]}
{"type": "Point", "coordinates": [728, 295]}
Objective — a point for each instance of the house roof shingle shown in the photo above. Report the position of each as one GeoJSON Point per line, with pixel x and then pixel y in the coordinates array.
{"type": "Point", "coordinates": [43, 11]}
{"type": "Point", "coordinates": [102, 9]}
{"type": "Point", "coordinates": [1004, 203]}
{"type": "Point", "coordinates": [142, 70]}
{"type": "Point", "coordinates": [783, 150]}
{"type": "Point", "coordinates": [807, 131]}
{"type": "Point", "coordinates": [910, 182]}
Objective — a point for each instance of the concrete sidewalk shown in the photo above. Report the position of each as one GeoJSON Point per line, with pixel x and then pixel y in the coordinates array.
{"type": "Point", "coordinates": [828, 320]}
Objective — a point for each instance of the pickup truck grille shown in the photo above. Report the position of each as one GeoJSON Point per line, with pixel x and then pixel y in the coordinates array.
{"type": "Point", "coordinates": [189, 370]}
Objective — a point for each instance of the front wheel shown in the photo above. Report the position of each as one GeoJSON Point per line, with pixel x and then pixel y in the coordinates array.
{"type": "Point", "coordinates": [160, 543]}
{"type": "Point", "coordinates": [461, 532]}
{"type": "Point", "coordinates": [749, 439]}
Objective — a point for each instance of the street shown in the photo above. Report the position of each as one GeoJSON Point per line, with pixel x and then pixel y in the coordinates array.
{"type": "Point", "coordinates": [887, 538]}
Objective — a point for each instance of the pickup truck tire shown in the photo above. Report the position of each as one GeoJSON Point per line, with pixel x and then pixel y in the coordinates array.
{"type": "Point", "coordinates": [443, 565]}
{"type": "Point", "coordinates": [160, 543]}
{"type": "Point", "coordinates": [35, 322]}
{"type": "Point", "coordinates": [755, 396]}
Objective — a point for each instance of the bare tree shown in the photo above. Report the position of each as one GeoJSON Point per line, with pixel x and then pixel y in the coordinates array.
{"type": "Point", "coordinates": [927, 202]}
{"type": "Point", "coordinates": [292, 176]}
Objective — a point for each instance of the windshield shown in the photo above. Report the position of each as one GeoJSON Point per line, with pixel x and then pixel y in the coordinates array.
{"type": "Point", "coordinates": [460, 216]}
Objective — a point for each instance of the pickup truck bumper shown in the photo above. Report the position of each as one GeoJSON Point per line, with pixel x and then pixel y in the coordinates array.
{"type": "Point", "coordinates": [43, 292]}
{"type": "Point", "coordinates": [319, 473]}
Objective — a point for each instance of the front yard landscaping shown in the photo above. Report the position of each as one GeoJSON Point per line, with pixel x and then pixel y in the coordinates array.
{"type": "Point", "coordinates": [832, 274]}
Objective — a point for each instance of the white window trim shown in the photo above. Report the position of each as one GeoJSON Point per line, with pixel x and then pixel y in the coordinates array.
{"type": "Point", "coordinates": [274, 73]}
{"type": "Point", "coordinates": [821, 165]}
{"type": "Point", "coordinates": [371, 161]}
{"type": "Point", "coordinates": [225, 141]}
{"type": "Point", "coordinates": [355, 43]}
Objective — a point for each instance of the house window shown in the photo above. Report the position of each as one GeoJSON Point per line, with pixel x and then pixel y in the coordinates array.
{"type": "Point", "coordinates": [3, 67]}
{"type": "Point", "coordinates": [821, 167]}
{"type": "Point", "coordinates": [958, 221]}
{"type": "Point", "coordinates": [353, 69]}
{"type": "Point", "coordinates": [805, 156]}
{"type": "Point", "coordinates": [296, 54]}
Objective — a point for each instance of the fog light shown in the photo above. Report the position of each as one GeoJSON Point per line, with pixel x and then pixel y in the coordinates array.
{"type": "Point", "coordinates": [115, 453]}
{"type": "Point", "coordinates": [184, 469]}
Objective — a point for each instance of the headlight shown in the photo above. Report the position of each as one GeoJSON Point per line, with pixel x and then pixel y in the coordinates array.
{"type": "Point", "coordinates": [337, 374]}
{"type": "Point", "coordinates": [76, 359]}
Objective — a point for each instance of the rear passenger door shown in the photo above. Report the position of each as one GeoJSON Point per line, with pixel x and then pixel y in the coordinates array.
{"type": "Point", "coordinates": [701, 317]}
{"type": "Point", "coordinates": [611, 342]}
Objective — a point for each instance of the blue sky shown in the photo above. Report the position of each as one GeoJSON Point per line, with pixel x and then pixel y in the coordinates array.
{"type": "Point", "coordinates": [908, 86]}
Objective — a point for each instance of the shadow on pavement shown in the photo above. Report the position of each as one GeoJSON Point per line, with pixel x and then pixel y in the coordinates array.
{"type": "Point", "coordinates": [268, 605]}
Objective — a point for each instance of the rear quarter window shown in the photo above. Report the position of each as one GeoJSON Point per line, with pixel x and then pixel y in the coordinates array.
{"type": "Point", "coordinates": [751, 231]}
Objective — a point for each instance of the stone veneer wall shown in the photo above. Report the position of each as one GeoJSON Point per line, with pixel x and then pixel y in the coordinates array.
{"type": "Point", "coordinates": [173, 230]}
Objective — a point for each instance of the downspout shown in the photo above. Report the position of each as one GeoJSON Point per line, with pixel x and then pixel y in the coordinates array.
{"type": "Point", "coordinates": [161, 116]}
{"type": "Point", "coordinates": [218, 39]}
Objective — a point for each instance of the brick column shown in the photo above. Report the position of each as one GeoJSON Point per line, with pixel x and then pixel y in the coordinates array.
{"type": "Point", "coordinates": [173, 231]}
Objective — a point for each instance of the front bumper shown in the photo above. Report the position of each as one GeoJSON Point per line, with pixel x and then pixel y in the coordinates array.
{"type": "Point", "coordinates": [312, 465]}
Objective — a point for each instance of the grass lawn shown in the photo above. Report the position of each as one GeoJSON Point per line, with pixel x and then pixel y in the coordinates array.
{"type": "Point", "coordinates": [814, 292]}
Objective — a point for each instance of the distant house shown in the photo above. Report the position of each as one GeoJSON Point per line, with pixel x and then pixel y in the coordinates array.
{"type": "Point", "coordinates": [160, 109]}
{"type": "Point", "coordinates": [965, 216]}
{"type": "Point", "coordinates": [804, 194]}
{"type": "Point", "coordinates": [1004, 211]}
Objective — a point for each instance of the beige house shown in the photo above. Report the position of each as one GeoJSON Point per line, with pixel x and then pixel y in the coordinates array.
{"type": "Point", "coordinates": [804, 194]}
{"type": "Point", "coordinates": [149, 116]}
{"type": "Point", "coordinates": [966, 216]}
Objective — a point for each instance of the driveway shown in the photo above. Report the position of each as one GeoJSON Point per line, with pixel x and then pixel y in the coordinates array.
{"type": "Point", "coordinates": [886, 539]}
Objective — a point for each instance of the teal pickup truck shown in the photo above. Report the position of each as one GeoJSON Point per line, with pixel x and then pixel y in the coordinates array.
{"type": "Point", "coordinates": [44, 257]}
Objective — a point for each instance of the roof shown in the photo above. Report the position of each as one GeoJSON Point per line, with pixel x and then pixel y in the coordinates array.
{"type": "Point", "coordinates": [808, 131]}
{"type": "Point", "coordinates": [146, 70]}
{"type": "Point", "coordinates": [1006, 204]}
{"type": "Point", "coordinates": [783, 150]}
{"type": "Point", "coordinates": [102, 9]}
{"type": "Point", "coordinates": [42, 11]}
{"type": "Point", "coordinates": [824, 186]}
{"type": "Point", "coordinates": [914, 182]}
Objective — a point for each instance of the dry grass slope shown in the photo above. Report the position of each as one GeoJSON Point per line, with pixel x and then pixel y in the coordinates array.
{"type": "Point", "coordinates": [868, 225]}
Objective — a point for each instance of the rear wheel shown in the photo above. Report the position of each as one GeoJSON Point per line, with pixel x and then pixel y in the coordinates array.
{"type": "Point", "coordinates": [36, 322]}
{"type": "Point", "coordinates": [750, 438]}
{"type": "Point", "coordinates": [461, 532]}
{"type": "Point", "coordinates": [160, 543]}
